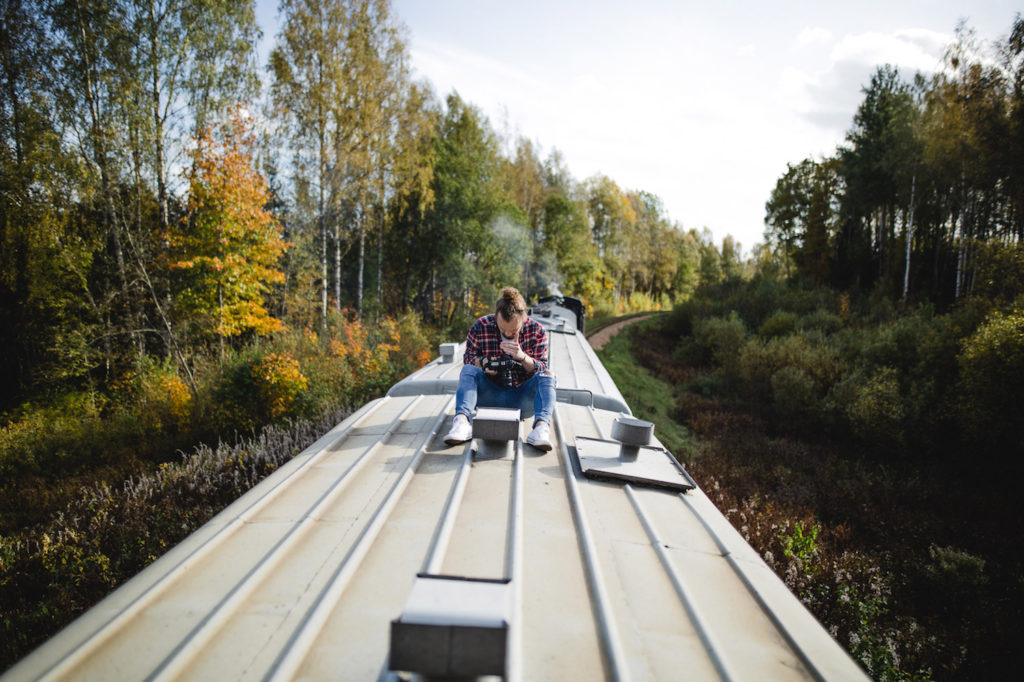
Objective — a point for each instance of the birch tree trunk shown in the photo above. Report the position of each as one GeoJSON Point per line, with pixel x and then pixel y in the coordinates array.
{"type": "Point", "coordinates": [909, 232]}
{"type": "Point", "coordinates": [362, 260]}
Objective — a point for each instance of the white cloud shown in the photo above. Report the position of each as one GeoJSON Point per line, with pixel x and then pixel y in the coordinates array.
{"type": "Point", "coordinates": [827, 91]}
{"type": "Point", "coordinates": [814, 35]}
{"type": "Point", "coordinates": [915, 50]}
{"type": "Point", "coordinates": [451, 68]}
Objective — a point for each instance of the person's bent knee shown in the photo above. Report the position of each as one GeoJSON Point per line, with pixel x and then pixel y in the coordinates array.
{"type": "Point", "coordinates": [471, 370]}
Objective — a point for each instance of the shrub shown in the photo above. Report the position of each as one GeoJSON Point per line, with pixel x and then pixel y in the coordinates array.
{"type": "Point", "coordinates": [235, 397]}
{"type": "Point", "coordinates": [802, 542]}
{"type": "Point", "coordinates": [813, 366]}
{"type": "Point", "coordinates": [51, 437]}
{"type": "Point", "coordinates": [955, 570]}
{"type": "Point", "coordinates": [280, 383]}
{"type": "Point", "coordinates": [992, 382]}
{"type": "Point", "coordinates": [999, 273]}
{"type": "Point", "coordinates": [156, 396]}
{"type": "Point", "coordinates": [414, 348]}
{"type": "Point", "coordinates": [781, 323]}
{"type": "Point", "coordinates": [820, 320]}
{"type": "Point", "coordinates": [793, 391]}
{"type": "Point", "coordinates": [875, 410]}
{"type": "Point", "coordinates": [721, 339]}
{"type": "Point", "coordinates": [896, 344]}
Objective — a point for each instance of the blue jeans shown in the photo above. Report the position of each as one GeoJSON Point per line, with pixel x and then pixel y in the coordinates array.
{"type": "Point", "coordinates": [535, 396]}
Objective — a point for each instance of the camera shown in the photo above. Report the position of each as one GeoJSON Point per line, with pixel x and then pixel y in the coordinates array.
{"type": "Point", "coordinates": [503, 365]}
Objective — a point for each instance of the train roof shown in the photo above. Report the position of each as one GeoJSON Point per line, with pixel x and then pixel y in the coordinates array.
{"type": "Point", "coordinates": [380, 551]}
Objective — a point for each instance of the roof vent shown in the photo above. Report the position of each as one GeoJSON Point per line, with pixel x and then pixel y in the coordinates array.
{"type": "Point", "coordinates": [453, 626]}
{"type": "Point", "coordinates": [448, 352]}
{"type": "Point", "coordinates": [632, 433]}
{"type": "Point", "coordinates": [496, 423]}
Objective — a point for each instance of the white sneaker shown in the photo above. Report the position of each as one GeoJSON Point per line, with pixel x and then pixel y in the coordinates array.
{"type": "Point", "coordinates": [540, 437]}
{"type": "Point", "coordinates": [461, 431]}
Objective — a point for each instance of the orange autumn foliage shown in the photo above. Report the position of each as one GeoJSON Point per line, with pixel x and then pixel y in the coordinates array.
{"type": "Point", "coordinates": [228, 249]}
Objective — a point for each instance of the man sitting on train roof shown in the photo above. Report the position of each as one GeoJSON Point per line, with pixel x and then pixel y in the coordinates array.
{"type": "Point", "coordinates": [506, 365]}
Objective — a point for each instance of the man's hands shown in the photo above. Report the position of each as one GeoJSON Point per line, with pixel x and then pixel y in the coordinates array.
{"type": "Point", "coordinates": [513, 349]}
{"type": "Point", "coordinates": [482, 363]}
{"type": "Point", "coordinates": [497, 364]}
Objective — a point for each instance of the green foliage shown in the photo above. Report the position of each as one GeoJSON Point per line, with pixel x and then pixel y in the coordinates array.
{"type": "Point", "coordinates": [913, 381]}
{"type": "Point", "coordinates": [955, 570]}
{"type": "Point", "coordinates": [721, 338]}
{"type": "Point", "coordinates": [992, 383]}
{"type": "Point", "coordinates": [801, 216]}
{"type": "Point", "coordinates": [781, 323]}
{"type": "Point", "coordinates": [52, 436]}
{"type": "Point", "coordinates": [821, 320]}
{"type": "Point", "coordinates": [878, 213]}
{"type": "Point", "coordinates": [793, 391]}
{"type": "Point", "coordinates": [850, 418]}
{"type": "Point", "coordinates": [802, 543]}
{"type": "Point", "coordinates": [999, 274]}
{"type": "Point", "coordinates": [792, 372]}
{"type": "Point", "coordinates": [875, 410]}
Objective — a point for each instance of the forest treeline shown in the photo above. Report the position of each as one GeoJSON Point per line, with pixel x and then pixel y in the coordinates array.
{"type": "Point", "coordinates": [925, 200]}
{"type": "Point", "coordinates": [166, 196]}
{"type": "Point", "coordinates": [157, 203]}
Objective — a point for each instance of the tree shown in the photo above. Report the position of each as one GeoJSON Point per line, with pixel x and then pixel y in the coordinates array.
{"type": "Point", "coordinates": [524, 178]}
{"type": "Point", "coordinates": [567, 237]}
{"type": "Point", "coordinates": [802, 216]}
{"type": "Point", "coordinates": [456, 252]}
{"type": "Point", "coordinates": [881, 162]}
{"type": "Point", "coordinates": [339, 76]}
{"type": "Point", "coordinates": [687, 276]}
{"type": "Point", "coordinates": [611, 216]}
{"type": "Point", "coordinates": [376, 74]}
{"type": "Point", "coordinates": [202, 52]}
{"type": "Point", "coordinates": [228, 250]}
{"type": "Point", "coordinates": [415, 162]}
{"type": "Point", "coordinates": [306, 91]}
{"type": "Point", "coordinates": [785, 210]}
{"type": "Point", "coordinates": [732, 261]}
{"type": "Point", "coordinates": [47, 315]}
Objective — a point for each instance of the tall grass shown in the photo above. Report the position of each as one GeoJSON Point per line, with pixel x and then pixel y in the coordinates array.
{"type": "Point", "coordinates": [51, 573]}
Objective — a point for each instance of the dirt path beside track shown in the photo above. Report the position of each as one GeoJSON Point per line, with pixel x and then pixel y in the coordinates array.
{"type": "Point", "coordinates": [602, 337]}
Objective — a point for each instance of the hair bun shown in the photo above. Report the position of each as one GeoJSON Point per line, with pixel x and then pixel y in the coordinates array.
{"type": "Point", "coordinates": [510, 304]}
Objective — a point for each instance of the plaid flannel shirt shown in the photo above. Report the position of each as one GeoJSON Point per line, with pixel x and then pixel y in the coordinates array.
{"type": "Point", "coordinates": [484, 340]}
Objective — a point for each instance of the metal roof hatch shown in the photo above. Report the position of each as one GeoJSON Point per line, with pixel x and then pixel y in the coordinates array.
{"type": "Point", "coordinates": [630, 458]}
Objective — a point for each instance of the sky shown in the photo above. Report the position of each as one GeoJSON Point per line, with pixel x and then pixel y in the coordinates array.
{"type": "Point", "coordinates": [700, 103]}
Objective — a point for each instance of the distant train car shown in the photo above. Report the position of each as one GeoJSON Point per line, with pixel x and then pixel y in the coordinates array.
{"type": "Point", "coordinates": [381, 553]}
